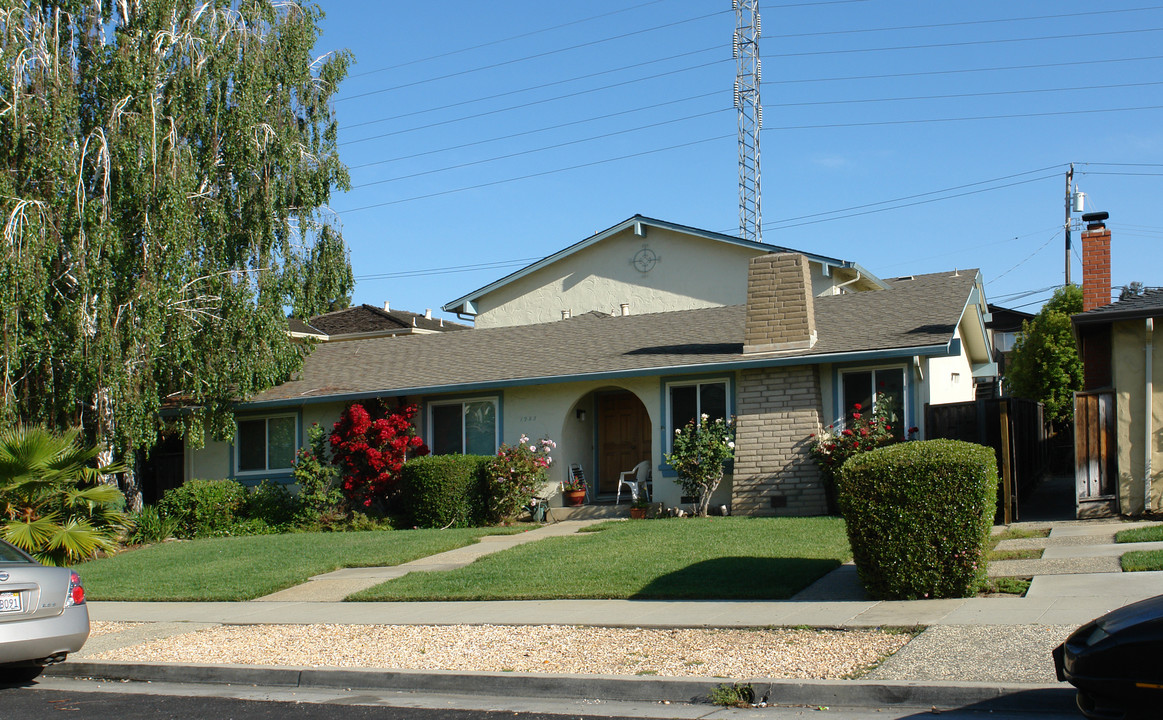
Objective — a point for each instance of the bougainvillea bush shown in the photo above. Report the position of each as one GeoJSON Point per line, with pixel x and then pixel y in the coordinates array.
{"type": "Point", "coordinates": [514, 476]}
{"type": "Point", "coordinates": [370, 445]}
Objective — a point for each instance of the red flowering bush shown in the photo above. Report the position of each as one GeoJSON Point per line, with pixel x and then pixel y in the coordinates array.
{"type": "Point", "coordinates": [863, 432]}
{"type": "Point", "coordinates": [370, 445]}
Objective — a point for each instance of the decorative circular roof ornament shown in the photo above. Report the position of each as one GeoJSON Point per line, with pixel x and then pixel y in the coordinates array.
{"type": "Point", "coordinates": [645, 260]}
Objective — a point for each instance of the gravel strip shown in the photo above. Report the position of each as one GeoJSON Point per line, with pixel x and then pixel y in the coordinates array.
{"type": "Point", "coordinates": [767, 653]}
{"type": "Point", "coordinates": [1064, 541]}
{"type": "Point", "coordinates": [1053, 566]}
{"type": "Point", "coordinates": [977, 653]}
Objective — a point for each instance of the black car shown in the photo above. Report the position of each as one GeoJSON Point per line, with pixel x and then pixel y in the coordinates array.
{"type": "Point", "coordinates": [1116, 662]}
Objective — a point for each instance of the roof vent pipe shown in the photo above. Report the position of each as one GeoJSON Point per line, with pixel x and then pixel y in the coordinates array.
{"type": "Point", "coordinates": [428, 313]}
{"type": "Point", "coordinates": [625, 308]}
{"type": "Point", "coordinates": [387, 306]}
{"type": "Point", "coordinates": [566, 314]}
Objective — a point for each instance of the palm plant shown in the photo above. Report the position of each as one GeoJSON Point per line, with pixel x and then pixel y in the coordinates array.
{"type": "Point", "coordinates": [53, 503]}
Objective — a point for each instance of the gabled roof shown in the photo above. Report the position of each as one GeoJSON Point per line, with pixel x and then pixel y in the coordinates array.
{"type": "Point", "coordinates": [461, 304]}
{"type": "Point", "coordinates": [915, 317]}
{"type": "Point", "coordinates": [365, 319]}
{"type": "Point", "coordinates": [1147, 305]}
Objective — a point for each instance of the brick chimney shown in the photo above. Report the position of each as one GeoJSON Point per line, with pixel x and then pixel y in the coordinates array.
{"type": "Point", "coordinates": [1096, 262]}
{"type": "Point", "coordinates": [780, 312]}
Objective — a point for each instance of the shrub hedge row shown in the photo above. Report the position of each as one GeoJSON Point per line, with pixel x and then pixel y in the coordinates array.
{"type": "Point", "coordinates": [919, 516]}
{"type": "Point", "coordinates": [444, 490]}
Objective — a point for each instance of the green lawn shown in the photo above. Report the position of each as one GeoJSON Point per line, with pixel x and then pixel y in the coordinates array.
{"type": "Point", "coordinates": [727, 558]}
{"type": "Point", "coordinates": [243, 568]}
{"type": "Point", "coordinates": [1153, 533]}
{"type": "Point", "coordinates": [1141, 560]}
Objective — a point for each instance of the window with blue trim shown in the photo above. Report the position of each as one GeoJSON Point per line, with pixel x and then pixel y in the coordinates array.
{"type": "Point", "coordinates": [466, 427]}
{"type": "Point", "coordinates": [266, 444]}
{"type": "Point", "coordinates": [690, 401]}
{"type": "Point", "coordinates": [875, 389]}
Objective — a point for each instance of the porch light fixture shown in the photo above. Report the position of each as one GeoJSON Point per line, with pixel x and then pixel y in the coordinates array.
{"type": "Point", "coordinates": [581, 414]}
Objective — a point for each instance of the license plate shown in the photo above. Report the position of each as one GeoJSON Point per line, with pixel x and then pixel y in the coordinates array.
{"type": "Point", "coordinates": [10, 602]}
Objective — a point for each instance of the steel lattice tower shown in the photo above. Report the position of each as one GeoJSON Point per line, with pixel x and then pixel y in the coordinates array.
{"type": "Point", "coordinates": [746, 51]}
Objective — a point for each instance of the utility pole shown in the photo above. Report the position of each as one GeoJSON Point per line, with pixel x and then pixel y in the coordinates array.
{"type": "Point", "coordinates": [745, 48]}
{"type": "Point", "coordinates": [1069, 179]}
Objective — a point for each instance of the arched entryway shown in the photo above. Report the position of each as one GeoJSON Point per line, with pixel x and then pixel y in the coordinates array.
{"type": "Point", "coordinates": [623, 436]}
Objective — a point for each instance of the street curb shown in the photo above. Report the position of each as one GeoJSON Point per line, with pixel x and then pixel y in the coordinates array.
{"type": "Point", "coordinates": [842, 693]}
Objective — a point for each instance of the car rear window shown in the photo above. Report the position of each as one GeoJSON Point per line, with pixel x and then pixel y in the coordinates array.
{"type": "Point", "coordinates": [11, 554]}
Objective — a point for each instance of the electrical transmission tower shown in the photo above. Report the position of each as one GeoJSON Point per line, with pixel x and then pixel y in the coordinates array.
{"type": "Point", "coordinates": [746, 51]}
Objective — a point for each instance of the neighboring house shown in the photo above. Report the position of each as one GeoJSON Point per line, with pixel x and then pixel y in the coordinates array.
{"type": "Point", "coordinates": [587, 347]}
{"type": "Point", "coordinates": [1005, 326]}
{"type": "Point", "coordinates": [368, 321]}
{"type": "Point", "coordinates": [1119, 413]}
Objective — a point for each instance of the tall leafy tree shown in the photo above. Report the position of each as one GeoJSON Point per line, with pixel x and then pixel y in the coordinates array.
{"type": "Point", "coordinates": [1045, 365]}
{"type": "Point", "coordinates": [164, 166]}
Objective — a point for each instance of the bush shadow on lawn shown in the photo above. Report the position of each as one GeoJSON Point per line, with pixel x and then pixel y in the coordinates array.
{"type": "Point", "coordinates": [740, 578]}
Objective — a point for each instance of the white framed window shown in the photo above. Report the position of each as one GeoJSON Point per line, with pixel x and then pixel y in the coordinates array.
{"type": "Point", "coordinates": [687, 401]}
{"type": "Point", "coordinates": [466, 427]}
{"type": "Point", "coordinates": [265, 444]}
{"type": "Point", "coordinates": [870, 388]}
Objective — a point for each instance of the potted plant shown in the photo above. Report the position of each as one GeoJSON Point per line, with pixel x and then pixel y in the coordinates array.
{"type": "Point", "coordinates": [639, 507]}
{"type": "Point", "coordinates": [574, 491]}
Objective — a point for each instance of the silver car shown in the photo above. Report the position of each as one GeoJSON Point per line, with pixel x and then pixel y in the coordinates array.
{"type": "Point", "coordinates": [43, 616]}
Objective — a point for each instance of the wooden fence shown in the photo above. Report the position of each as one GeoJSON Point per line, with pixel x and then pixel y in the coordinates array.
{"type": "Point", "coordinates": [1013, 427]}
{"type": "Point", "coordinates": [1094, 453]}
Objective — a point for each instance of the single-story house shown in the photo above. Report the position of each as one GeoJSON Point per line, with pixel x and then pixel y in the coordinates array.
{"type": "Point", "coordinates": [611, 344]}
{"type": "Point", "coordinates": [367, 321]}
{"type": "Point", "coordinates": [1119, 413]}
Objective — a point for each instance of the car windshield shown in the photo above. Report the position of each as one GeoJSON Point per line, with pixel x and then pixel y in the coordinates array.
{"type": "Point", "coordinates": [11, 554]}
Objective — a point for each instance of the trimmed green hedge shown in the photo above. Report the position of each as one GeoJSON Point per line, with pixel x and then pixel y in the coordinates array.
{"type": "Point", "coordinates": [444, 490]}
{"type": "Point", "coordinates": [918, 516]}
{"type": "Point", "coordinates": [203, 507]}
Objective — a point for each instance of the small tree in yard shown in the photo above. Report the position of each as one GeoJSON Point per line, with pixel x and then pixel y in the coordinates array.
{"type": "Point", "coordinates": [318, 480]}
{"type": "Point", "coordinates": [864, 432]}
{"type": "Point", "coordinates": [698, 453]}
{"type": "Point", "coordinates": [370, 445]}
{"type": "Point", "coordinates": [514, 476]}
{"type": "Point", "coordinates": [1045, 365]}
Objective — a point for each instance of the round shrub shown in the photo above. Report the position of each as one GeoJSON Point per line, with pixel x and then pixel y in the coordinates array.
{"type": "Point", "coordinates": [272, 503]}
{"type": "Point", "coordinates": [443, 490]}
{"type": "Point", "coordinates": [203, 507]}
{"type": "Point", "coordinates": [918, 516]}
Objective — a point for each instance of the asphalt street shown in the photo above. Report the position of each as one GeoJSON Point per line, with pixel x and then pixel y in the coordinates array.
{"type": "Point", "coordinates": [95, 700]}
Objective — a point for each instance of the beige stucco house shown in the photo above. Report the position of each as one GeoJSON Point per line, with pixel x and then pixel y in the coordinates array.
{"type": "Point", "coordinates": [610, 344]}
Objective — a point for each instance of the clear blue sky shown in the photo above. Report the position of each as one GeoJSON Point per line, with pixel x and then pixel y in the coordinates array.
{"type": "Point", "coordinates": [909, 137]}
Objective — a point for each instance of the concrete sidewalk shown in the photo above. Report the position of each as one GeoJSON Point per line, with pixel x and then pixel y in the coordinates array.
{"type": "Point", "coordinates": [969, 642]}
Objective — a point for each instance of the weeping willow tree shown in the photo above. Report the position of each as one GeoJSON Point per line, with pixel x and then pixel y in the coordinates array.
{"type": "Point", "coordinates": [166, 167]}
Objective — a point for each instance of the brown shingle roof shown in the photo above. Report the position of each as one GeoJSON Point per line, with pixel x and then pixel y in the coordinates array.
{"type": "Point", "coordinates": [922, 312]}
{"type": "Point", "coordinates": [1149, 304]}
{"type": "Point", "coordinates": [369, 318]}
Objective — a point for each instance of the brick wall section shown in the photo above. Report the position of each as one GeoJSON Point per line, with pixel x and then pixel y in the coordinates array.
{"type": "Point", "coordinates": [1096, 267]}
{"type": "Point", "coordinates": [780, 312]}
{"type": "Point", "coordinates": [777, 410]}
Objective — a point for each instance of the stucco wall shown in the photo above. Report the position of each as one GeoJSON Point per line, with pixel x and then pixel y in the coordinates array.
{"type": "Point", "coordinates": [941, 385]}
{"type": "Point", "coordinates": [1127, 351]}
{"type": "Point", "coordinates": [690, 272]}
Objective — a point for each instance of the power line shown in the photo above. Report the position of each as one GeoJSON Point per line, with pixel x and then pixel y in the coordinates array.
{"type": "Point", "coordinates": [911, 204]}
{"type": "Point", "coordinates": [535, 130]}
{"type": "Point", "coordinates": [529, 88]}
{"type": "Point", "coordinates": [528, 104]}
{"type": "Point", "coordinates": [962, 119]}
{"type": "Point", "coordinates": [886, 76]}
{"type": "Point", "coordinates": [967, 95]}
{"type": "Point", "coordinates": [1028, 257]}
{"type": "Point", "coordinates": [537, 174]}
{"type": "Point", "coordinates": [969, 22]}
{"type": "Point", "coordinates": [963, 43]}
{"type": "Point", "coordinates": [493, 66]}
{"type": "Point", "coordinates": [449, 270]}
{"type": "Point", "coordinates": [540, 149]}
{"type": "Point", "coordinates": [449, 53]}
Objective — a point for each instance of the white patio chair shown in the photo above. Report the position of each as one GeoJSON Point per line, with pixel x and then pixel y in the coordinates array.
{"type": "Point", "coordinates": [638, 482]}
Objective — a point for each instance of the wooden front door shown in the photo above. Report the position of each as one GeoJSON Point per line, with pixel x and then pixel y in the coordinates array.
{"type": "Point", "coordinates": [623, 437]}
